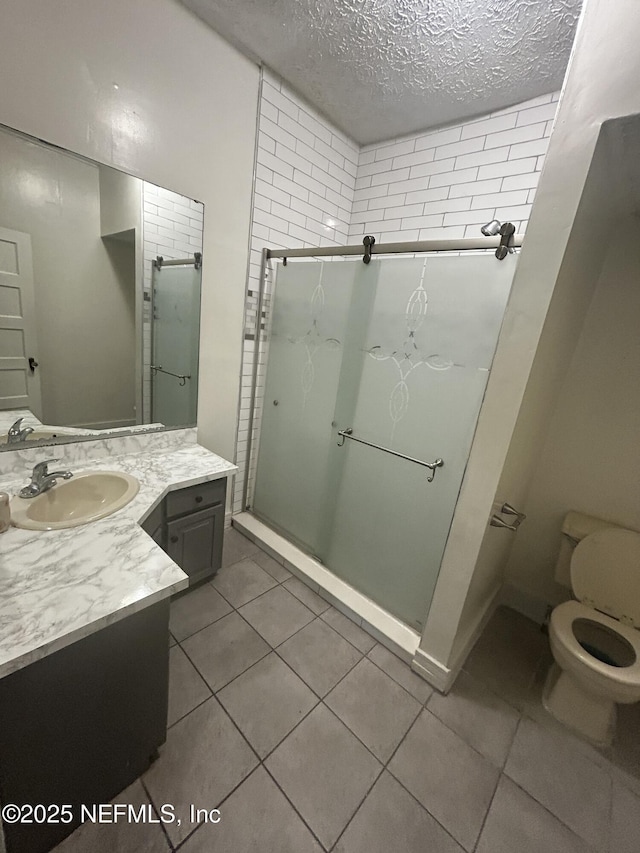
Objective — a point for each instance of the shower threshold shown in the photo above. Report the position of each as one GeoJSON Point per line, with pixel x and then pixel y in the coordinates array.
{"type": "Point", "coordinates": [385, 628]}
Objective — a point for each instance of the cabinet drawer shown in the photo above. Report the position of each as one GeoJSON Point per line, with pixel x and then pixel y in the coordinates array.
{"type": "Point", "coordinates": [195, 497]}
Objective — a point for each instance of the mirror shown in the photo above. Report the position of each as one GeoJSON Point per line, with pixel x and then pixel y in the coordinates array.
{"type": "Point", "coordinates": [99, 298]}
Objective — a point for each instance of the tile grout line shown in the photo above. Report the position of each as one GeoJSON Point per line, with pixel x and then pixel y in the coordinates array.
{"type": "Point", "coordinates": [363, 655]}
{"type": "Point", "coordinates": [284, 794]}
{"type": "Point", "coordinates": [403, 786]}
{"type": "Point", "coordinates": [153, 806]}
{"type": "Point", "coordinates": [226, 600]}
{"type": "Point", "coordinates": [261, 761]}
{"type": "Point", "coordinates": [529, 793]}
{"type": "Point", "coordinates": [423, 704]}
{"type": "Point", "coordinates": [320, 701]}
{"type": "Point", "coordinates": [425, 707]}
{"type": "Point", "coordinates": [486, 814]}
{"type": "Point", "coordinates": [522, 711]}
{"type": "Point", "coordinates": [582, 841]}
{"type": "Point", "coordinates": [360, 804]}
{"type": "Point", "coordinates": [320, 698]}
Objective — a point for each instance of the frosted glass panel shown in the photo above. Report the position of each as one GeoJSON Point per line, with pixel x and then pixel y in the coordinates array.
{"type": "Point", "coordinates": [309, 322]}
{"type": "Point", "coordinates": [175, 341]}
{"type": "Point", "coordinates": [426, 356]}
{"type": "Point", "coordinates": [399, 351]}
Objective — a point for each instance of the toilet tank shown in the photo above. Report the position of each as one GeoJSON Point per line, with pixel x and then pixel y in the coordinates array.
{"type": "Point", "coordinates": [576, 526]}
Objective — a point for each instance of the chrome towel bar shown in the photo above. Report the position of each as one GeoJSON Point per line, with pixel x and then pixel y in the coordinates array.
{"type": "Point", "coordinates": [348, 433]}
{"type": "Point", "coordinates": [181, 376]}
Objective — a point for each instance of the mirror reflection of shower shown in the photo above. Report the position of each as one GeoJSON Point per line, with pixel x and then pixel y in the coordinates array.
{"type": "Point", "coordinates": [175, 321]}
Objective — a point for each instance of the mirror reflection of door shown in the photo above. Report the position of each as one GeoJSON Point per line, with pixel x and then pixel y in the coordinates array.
{"type": "Point", "coordinates": [19, 382]}
{"type": "Point", "coordinates": [175, 341]}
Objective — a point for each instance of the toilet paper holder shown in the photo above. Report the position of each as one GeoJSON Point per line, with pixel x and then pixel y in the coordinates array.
{"type": "Point", "coordinates": [507, 509]}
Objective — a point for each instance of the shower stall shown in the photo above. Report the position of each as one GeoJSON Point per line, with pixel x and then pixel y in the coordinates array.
{"type": "Point", "coordinates": [367, 385]}
{"type": "Point", "coordinates": [175, 324]}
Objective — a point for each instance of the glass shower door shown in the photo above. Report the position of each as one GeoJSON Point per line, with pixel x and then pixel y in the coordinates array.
{"type": "Point", "coordinates": [400, 353]}
{"type": "Point", "coordinates": [422, 370]}
{"type": "Point", "coordinates": [174, 345]}
{"type": "Point", "coordinates": [308, 328]}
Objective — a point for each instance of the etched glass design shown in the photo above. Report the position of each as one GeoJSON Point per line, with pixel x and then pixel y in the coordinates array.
{"type": "Point", "coordinates": [400, 351]}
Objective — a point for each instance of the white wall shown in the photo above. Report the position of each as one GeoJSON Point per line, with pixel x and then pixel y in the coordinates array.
{"type": "Point", "coordinates": [599, 207]}
{"type": "Point", "coordinates": [447, 183]}
{"type": "Point", "coordinates": [120, 201]}
{"type": "Point", "coordinates": [80, 281]}
{"type": "Point", "coordinates": [183, 116]}
{"type": "Point", "coordinates": [305, 180]}
{"type": "Point", "coordinates": [121, 217]}
{"type": "Point", "coordinates": [590, 461]}
{"type": "Point", "coordinates": [600, 84]}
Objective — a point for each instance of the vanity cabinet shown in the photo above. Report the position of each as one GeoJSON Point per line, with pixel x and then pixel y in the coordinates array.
{"type": "Point", "coordinates": [189, 526]}
{"type": "Point", "coordinates": [80, 725]}
{"type": "Point", "coordinates": [154, 526]}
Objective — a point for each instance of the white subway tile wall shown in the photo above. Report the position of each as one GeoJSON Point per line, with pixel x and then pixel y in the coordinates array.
{"type": "Point", "coordinates": [315, 186]}
{"type": "Point", "coordinates": [304, 186]}
{"type": "Point", "coordinates": [447, 183]}
{"type": "Point", "coordinates": [171, 227]}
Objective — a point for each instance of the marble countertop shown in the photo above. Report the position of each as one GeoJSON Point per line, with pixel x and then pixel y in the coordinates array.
{"type": "Point", "coordinates": [58, 586]}
{"type": "Point", "coordinates": [9, 416]}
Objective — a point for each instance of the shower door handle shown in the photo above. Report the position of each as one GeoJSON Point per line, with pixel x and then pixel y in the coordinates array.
{"type": "Point", "coordinates": [348, 433]}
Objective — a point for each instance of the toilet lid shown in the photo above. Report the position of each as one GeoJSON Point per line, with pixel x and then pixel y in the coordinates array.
{"type": "Point", "coordinates": [605, 573]}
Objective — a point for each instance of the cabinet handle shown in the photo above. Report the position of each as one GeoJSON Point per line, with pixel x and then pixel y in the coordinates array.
{"type": "Point", "coordinates": [174, 539]}
{"type": "Point", "coordinates": [198, 499]}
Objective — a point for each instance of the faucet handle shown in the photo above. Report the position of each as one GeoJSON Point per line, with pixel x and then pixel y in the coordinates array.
{"type": "Point", "coordinates": [14, 429]}
{"type": "Point", "coordinates": [42, 468]}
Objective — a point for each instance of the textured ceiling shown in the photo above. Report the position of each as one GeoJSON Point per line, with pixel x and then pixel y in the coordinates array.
{"type": "Point", "coordinates": [383, 68]}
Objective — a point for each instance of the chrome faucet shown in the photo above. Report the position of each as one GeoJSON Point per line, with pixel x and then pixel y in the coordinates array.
{"type": "Point", "coordinates": [42, 480]}
{"type": "Point", "coordinates": [16, 434]}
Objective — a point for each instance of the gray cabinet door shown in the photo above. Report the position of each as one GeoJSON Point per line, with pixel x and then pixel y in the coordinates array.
{"type": "Point", "coordinates": [158, 536]}
{"type": "Point", "coordinates": [194, 542]}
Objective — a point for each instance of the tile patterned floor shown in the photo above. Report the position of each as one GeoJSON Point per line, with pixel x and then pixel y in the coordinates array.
{"type": "Point", "coordinates": [309, 736]}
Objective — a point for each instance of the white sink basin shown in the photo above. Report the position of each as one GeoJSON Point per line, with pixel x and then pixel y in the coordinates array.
{"type": "Point", "coordinates": [86, 497]}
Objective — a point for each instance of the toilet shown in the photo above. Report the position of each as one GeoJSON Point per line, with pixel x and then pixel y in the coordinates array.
{"type": "Point", "coordinates": [595, 639]}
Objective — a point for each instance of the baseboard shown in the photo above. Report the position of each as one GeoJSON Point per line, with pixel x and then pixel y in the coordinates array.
{"type": "Point", "coordinates": [476, 629]}
{"type": "Point", "coordinates": [442, 676]}
{"type": "Point", "coordinates": [436, 673]}
{"type": "Point", "coordinates": [524, 602]}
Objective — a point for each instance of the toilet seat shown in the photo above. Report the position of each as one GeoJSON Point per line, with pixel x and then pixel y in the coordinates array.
{"type": "Point", "coordinates": [605, 573]}
{"type": "Point", "coordinates": [561, 625]}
